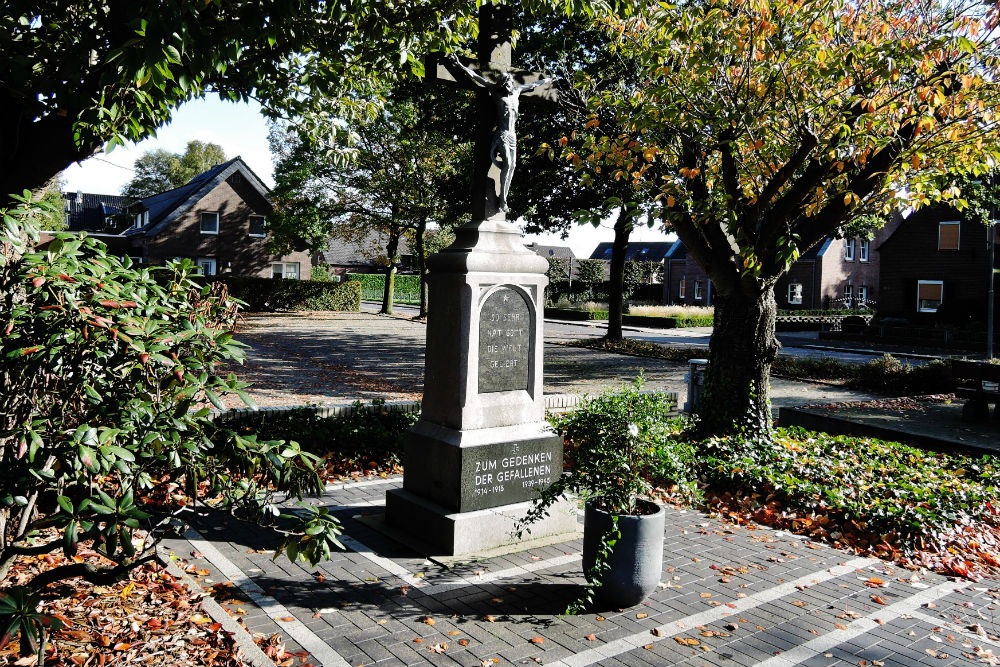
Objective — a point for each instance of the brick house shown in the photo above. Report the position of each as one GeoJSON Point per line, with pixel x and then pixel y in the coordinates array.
{"type": "Point", "coordinates": [217, 220]}
{"type": "Point", "coordinates": [934, 261]}
{"type": "Point", "coordinates": [832, 275]}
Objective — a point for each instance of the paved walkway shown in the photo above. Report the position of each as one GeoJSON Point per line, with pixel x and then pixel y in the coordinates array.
{"type": "Point", "coordinates": [328, 357]}
{"type": "Point", "coordinates": [729, 596]}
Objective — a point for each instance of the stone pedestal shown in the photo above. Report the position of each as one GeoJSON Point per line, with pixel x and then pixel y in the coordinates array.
{"type": "Point", "coordinates": [481, 449]}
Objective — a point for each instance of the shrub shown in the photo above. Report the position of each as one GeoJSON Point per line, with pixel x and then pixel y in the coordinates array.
{"type": "Point", "coordinates": [270, 295]}
{"type": "Point", "coordinates": [617, 443]}
{"type": "Point", "coordinates": [369, 440]}
{"type": "Point", "coordinates": [104, 380]}
{"type": "Point", "coordinates": [889, 375]}
{"type": "Point", "coordinates": [321, 274]}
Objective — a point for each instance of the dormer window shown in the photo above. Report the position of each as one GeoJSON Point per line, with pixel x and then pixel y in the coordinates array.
{"type": "Point", "coordinates": [209, 223]}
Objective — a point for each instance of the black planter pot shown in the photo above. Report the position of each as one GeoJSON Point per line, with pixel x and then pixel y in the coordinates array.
{"type": "Point", "coordinates": [636, 559]}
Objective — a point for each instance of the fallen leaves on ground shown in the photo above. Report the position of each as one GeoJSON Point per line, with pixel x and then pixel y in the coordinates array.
{"type": "Point", "coordinates": [149, 618]}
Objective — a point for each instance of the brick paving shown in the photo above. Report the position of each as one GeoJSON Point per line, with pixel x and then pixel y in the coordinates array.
{"type": "Point", "coordinates": [730, 596]}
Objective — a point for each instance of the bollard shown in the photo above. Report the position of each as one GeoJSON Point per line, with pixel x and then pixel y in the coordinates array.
{"type": "Point", "coordinates": [695, 378]}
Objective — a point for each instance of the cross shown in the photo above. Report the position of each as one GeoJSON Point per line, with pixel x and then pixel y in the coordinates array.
{"type": "Point", "coordinates": [498, 88]}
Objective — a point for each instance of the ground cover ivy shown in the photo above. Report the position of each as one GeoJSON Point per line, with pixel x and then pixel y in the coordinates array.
{"type": "Point", "coordinates": [907, 497]}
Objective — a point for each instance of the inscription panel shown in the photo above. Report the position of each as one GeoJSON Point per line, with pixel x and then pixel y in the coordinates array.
{"type": "Point", "coordinates": [503, 474]}
{"type": "Point", "coordinates": [504, 342]}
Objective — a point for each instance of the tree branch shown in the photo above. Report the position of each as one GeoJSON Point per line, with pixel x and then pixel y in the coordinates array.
{"type": "Point", "coordinates": [99, 576]}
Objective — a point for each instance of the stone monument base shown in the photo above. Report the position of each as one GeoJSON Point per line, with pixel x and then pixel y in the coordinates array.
{"type": "Point", "coordinates": [463, 533]}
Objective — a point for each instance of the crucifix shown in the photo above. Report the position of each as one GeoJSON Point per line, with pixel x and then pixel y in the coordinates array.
{"type": "Point", "coordinates": [498, 88]}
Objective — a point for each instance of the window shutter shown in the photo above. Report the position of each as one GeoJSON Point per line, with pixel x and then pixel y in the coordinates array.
{"type": "Point", "coordinates": [929, 291]}
{"type": "Point", "coordinates": [948, 233]}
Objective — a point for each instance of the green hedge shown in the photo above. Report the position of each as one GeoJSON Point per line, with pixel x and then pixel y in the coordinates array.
{"type": "Point", "coordinates": [675, 322]}
{"type": "Point", "coordinates": [271, 294]}
{"type": "Point", "coordinates": [575, 315]}
{"type": "Point", "coordinates": [404, 282]}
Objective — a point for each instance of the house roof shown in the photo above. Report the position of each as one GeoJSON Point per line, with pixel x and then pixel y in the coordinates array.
{"type": "Point", "coordinates": [636, 251]}
{"type": "Point", "coordinates": [556, 251]}
{"type": "Point", "coordinates": [339, 252]}
{"type": "Point", "coordinates": [817, 250]}
{"type": "Point", "coordinates": [86, 211]}
{"type": "Point", "coordinates": [166, 207]}
{"type": "Point", "coordinates": [677, 251]}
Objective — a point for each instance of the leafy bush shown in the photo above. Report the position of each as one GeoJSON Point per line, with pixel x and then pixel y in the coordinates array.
{"type": "Point", "coordinates": [321, 274]}
{"type": "Point", "coordinates": [616, 444]}
{"type": "Point", "coordinates": [366, 440]}
{"type": "Point", "coordinates": [104, 377]}
{"type": "Point", "coordinates": [889, 375]}
{"type": "Point", "coordinates": [879, 488]}
{"type": "Point", "coordinates": [269, 294]}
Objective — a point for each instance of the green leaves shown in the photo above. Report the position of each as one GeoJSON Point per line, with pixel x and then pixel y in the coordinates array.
{"type": "Point", "coordinates": [314, 535]}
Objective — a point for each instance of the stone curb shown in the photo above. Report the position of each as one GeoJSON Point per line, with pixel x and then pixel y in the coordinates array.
{"type": "Point", "coordinates": [249, 651]}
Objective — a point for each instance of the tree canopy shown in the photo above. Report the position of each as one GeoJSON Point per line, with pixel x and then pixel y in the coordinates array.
{"type": "Point", "coordinates": [83, 77]}
{"type": "Point", "coordinates": [763, 126]}
{"type": "Point", "coordinates": [160, 170]}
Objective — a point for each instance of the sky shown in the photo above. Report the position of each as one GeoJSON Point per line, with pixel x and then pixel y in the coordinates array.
{"type": "Point", "coordinates": [241, 130]}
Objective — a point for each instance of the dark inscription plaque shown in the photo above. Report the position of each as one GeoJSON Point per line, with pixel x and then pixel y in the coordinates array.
{"type": "Point", "coordinates": [513, 472]}
{"type": "Point", "coordinates": [504, 342]}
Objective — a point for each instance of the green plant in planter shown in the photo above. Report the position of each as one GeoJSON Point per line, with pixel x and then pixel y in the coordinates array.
{"type": "Point", "coordinates": [616, 443]}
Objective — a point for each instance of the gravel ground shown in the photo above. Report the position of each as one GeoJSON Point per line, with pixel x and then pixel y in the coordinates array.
{"type": "Point", "coordinates": [335, 357]}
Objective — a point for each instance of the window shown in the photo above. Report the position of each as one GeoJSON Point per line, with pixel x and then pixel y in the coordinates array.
{"type": "Point", "coordinates": [285, 270]}
{"type": "Point", "coordinates": [863, 248]}
{"type": "Point", "coordinates": [849, 250]}
{"type": "Point", "coordinates": [930, 293]}
{"type": "Point", "coordinates": [848, 296]}
{"type": "Point", "coordinates": [795, 293]}
{"type": "Point", "coordinates": [209, 223]}
{"type": "Point", "coordinates": [206, 266]}
{"type": "Point", "coordinates": [948, 235]}
{"type": "Point", "coordinates": [258, 226]}
{"type": "Point", "coordinates": [862, 296]}
{"type": "Point", "coordinates": [697, 290]}
{"type": "Point", "coordinates": [682, 288]}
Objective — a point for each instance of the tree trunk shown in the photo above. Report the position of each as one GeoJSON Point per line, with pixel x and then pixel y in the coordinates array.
{"type": "Point", "coordinates": [391, 249]}
{"type": "Point", "coordinates": [616, 286]}
{"type": "Point", "coordinates": [736, 394]}
{"type": "Point", "coordinates": [422, 266]}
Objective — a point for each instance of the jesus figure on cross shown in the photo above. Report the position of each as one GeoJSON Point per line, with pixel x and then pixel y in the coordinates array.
{"type": "Point", "coordinates": [505, 93]}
